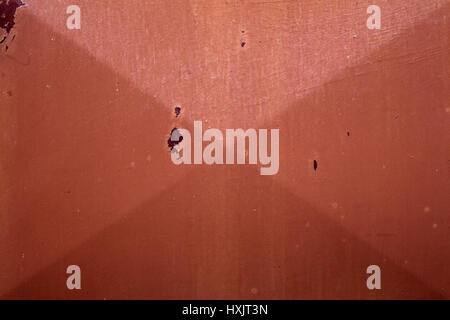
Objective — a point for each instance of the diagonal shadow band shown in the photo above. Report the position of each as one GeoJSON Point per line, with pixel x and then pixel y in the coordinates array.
{"type": "Point", "coordinates": [79, 139]}
{"type": "Point", "coordinates": [379, 131]}
{"type": "Point", "coordinates": [172, 248]}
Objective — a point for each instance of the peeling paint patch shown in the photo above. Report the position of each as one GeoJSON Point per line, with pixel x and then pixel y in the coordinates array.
{"type": "Point", "coordinates": [175, 138]}
{"type": "Point", "coordinates": [7, 15]}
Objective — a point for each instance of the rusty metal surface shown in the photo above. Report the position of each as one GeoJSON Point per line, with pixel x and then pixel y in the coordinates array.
{"type": "Point", "coordinates": [86, 176]}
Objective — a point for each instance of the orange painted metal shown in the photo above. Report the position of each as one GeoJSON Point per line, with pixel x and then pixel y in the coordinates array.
{"type": "Point", "coordinates": [86, 176]}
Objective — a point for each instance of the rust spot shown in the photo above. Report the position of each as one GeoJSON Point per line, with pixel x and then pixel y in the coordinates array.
{"type": "Point", "coordinates": [177, 111]}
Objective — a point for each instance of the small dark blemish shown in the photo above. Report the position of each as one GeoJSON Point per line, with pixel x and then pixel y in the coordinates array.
{"type": "Point", "coordinates": [243, 31]}
{"type": "Point", "coordinates": [243, 44]}
{"type": "Point", "coordinates": [9, 93]}
{"type": "Point", "coordinates": [348, 133]}
{"type": "Point", "coordinates": [315, 165]}
{"type": "Point", "coordinates": [175, 138]}
{"type": "Point", "coordinates": [177, 111]}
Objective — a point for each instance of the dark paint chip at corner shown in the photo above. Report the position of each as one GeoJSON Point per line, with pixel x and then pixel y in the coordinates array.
{"type": "Point", "coordinates": [7, 15]}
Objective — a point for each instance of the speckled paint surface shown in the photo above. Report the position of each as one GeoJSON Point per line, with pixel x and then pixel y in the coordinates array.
{"type": "Point", "coordinates": [86, 176]}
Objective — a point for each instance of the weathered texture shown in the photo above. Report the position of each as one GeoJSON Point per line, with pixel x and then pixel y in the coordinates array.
{"type": "Point", "coordinates": [86, 176]}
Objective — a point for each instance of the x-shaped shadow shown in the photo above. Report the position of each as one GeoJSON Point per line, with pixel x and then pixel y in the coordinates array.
{"type": "Point", "coordinates": [171, 246]}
